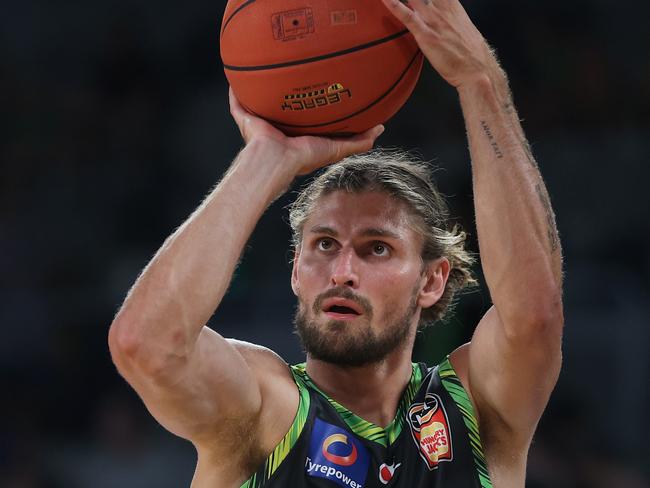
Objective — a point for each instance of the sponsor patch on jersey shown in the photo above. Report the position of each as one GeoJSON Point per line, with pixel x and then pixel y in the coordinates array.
{"type": "Point", "coordinates": [430, 430]}
{"type": "Point", "coordinates": [336, 455]}
{"type": "Point", "coordinates": [387, 471]}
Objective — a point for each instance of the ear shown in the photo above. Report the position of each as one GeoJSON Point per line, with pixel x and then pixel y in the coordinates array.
{"type": "Point", "coordinates": [295, 286]}
{"type": "Point", "coordinates": [434, 281]}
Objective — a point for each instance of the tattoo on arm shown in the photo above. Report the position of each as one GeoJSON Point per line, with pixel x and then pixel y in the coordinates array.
{"type": "Point", "coordinates": [511, 111]}
{"type": "Point", "coordinates": [491, 138]}
{"type": "Point", "coordinates": [551, 229]}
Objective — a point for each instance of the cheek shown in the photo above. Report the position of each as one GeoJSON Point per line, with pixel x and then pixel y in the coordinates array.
{"type": "Point", "coordinates": [311, 270]}
{"type": "Point", "coordinates": [393, 279]}
{"type": "Point", "coordinates": [394, 292]}
{"type": "Point", "coordinates": [308, 280]}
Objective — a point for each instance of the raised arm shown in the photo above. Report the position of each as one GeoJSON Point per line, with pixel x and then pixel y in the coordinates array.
{"type": "Point", "coordinates": [514, 358]}
{"type": "Point", "coordinates": [190, 377]}
{"type": "Point", "coordinates": [515, 354]}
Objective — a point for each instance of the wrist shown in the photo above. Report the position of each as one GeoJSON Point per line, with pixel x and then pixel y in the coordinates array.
{"type": "Point", "coordinates": [477, 83]}
{"type": "Point", "coordinates": [489, 89]}
{"type": "Point", "coordinates": [269, 159]}
{"type": "Point", "coordinates": [490, 73]}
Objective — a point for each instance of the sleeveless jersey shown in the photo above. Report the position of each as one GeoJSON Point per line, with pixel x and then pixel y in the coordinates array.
{"type": "Point", "coordinates": [433, 441]}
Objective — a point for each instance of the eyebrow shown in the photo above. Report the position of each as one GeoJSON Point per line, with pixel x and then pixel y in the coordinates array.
{"type": "Point", "coordinates": [368, 232]}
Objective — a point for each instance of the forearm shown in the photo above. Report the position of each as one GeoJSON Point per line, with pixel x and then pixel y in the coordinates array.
{"type": "Point", "coordinates": [184, 283]}
{"type": "Point", "coordinates": [518, 239]}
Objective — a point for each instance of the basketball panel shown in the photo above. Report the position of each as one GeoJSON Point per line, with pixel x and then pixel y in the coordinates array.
{"type": "Point", "coordinates": [327, 90]}
{"type": "Point", "coordinates": [275, 32]}
{"type": "Point", "coordinates": [376, 112]}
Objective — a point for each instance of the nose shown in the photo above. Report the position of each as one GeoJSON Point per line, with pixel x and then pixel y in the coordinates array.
{"type": "Point", "coordinates": [344, 272]}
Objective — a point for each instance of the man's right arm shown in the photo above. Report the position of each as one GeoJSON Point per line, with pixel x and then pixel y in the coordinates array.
{"type": "Point", "coordinates": [189, 376]}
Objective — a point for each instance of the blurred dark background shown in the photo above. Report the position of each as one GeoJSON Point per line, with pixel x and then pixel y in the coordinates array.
{"type": "Point", "coordinates": [115, 124]}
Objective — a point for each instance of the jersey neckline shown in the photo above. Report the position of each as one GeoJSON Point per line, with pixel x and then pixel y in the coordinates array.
{"type": "Point", "coordinates": [362, 427]}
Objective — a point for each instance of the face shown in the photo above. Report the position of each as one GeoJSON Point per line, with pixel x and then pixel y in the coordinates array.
{"type": "Point", "coordinates": [360, 280]}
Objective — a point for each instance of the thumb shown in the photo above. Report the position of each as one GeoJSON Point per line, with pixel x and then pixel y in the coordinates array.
{"type": "Point", "coordinates": [328, 150]}
{"type": "Point", "coordinates": [357, 144]}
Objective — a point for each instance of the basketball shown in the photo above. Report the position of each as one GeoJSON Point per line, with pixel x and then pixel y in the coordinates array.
{"type": "Point", "coordinates": [323, 67]}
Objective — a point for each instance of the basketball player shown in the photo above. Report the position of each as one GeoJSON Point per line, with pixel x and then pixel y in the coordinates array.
{"type": "Point", "coordinates": [374, 258]}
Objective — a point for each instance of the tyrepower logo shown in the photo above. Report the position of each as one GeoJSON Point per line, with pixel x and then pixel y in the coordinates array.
{"type": "Point", "coordinates": [336, 455]}
{"type": "Point", "coordinates": [430, 430]}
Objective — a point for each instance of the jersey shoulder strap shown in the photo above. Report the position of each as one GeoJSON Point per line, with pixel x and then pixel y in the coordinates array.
{"type": "Point", "coordinates": [283, 448]}
{"type": "Point", "coordinates": [450, 381]}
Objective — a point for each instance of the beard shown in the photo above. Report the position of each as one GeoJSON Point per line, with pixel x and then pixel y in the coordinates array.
{"type": "Point", "coordinates": [353, 343]}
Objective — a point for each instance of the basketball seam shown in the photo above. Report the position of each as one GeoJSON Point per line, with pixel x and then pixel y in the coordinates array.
{"type": "Point", "coordinates": [373, 103]}
{"type": "Point", "coordinates": [318, 58]}
{"type": "Point", "coordinates": [237, 10]}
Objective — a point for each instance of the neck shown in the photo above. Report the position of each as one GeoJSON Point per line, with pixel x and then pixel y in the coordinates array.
{"type": "Point", "coordinates": [371, 391]}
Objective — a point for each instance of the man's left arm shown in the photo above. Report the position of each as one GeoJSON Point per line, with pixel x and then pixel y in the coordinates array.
{"type": "Point", "coordinates": [515, 354]}
{"type": "Point", "coordinates": [513, 361]}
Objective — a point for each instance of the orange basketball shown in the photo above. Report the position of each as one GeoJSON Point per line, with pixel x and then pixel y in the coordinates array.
{"type": "Point", "coordinates": [318, 66]}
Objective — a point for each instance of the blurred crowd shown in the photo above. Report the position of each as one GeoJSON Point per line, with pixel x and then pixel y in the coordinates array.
{"type": "Point", "coordinates": [114, 125]}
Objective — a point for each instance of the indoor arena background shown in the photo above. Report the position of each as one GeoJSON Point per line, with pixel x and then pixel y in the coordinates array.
{"type": "Point", "coordinates": [115, 124]}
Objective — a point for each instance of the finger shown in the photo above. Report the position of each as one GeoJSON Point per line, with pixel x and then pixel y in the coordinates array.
{"type": "Point", "coordinates": [404, 14]}
{"type": "Point", "coordinates": [241, 116]}
{"type": "Point", "coordinates": [232, 99]}
{"type": "Point", "coordinates": [236, 108]}
{"type": "Point", "coordinates": [421, 7]}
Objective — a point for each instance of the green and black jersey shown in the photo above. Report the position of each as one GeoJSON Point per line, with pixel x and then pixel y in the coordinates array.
{"type": "Point", "coordinates": [433, 441]}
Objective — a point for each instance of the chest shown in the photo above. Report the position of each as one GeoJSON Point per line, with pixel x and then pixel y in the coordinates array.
{"type": "Point", "coordinates": [433, 441]}
{"type": "Point", "coordinates": [430, 446]}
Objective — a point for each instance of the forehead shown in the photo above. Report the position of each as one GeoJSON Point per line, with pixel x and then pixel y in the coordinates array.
{"type": "Point", "coordinates": [354, 212]}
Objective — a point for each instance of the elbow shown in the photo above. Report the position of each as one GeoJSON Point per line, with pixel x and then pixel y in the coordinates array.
{"type": "Point", "coordinates": [125, 344]}
{"type": "Point", "coordinates": [549, 323]}
{"type": "Point", "coordinates": [135, 354]}
{"type": "Point", "coordinates": [123, 341]}
{"type": "Point", "coordinates": [549, 312]}
{"type": "Point", "coordinates": [541, 320]}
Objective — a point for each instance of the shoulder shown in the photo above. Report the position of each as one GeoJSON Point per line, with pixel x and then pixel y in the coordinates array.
{"type": "Point", "coordinates": [272, 373]}
{"type": "Point", "coordinates": [257, 356]}
{"type": "Point", "coordinates": [459, 360]}
{"type": "Point", "coordinates": [280, 396]}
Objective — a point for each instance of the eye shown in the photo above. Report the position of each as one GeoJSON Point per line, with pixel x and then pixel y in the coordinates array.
{"type": "Point", "coordinates": [380, 249]}
{"type": "Point", "coordinates": [324, 244]}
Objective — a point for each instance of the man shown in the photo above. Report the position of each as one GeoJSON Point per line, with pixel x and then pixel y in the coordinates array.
{"type": "Point", "coordinates": [365, 272]}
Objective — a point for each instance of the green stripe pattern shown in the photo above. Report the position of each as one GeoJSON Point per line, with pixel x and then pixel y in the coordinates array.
{"type": "Point", "coordinates": [283, 448]}
{"type": "Point", "coordinates": [452, 384]}
{"type": "Point", "coordinates": [363, 428]}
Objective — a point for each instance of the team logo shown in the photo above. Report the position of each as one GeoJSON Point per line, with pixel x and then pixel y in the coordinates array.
{"type": "Point", "coordinates": [336, 455]}
{"type": "Point", "coordinates": [430, 430]}
{"type": "Point", "coordinates": [386, 472]}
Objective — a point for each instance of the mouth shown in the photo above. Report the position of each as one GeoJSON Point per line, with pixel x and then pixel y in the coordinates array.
{"type": "Point", "coordinates": [342, 309]}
